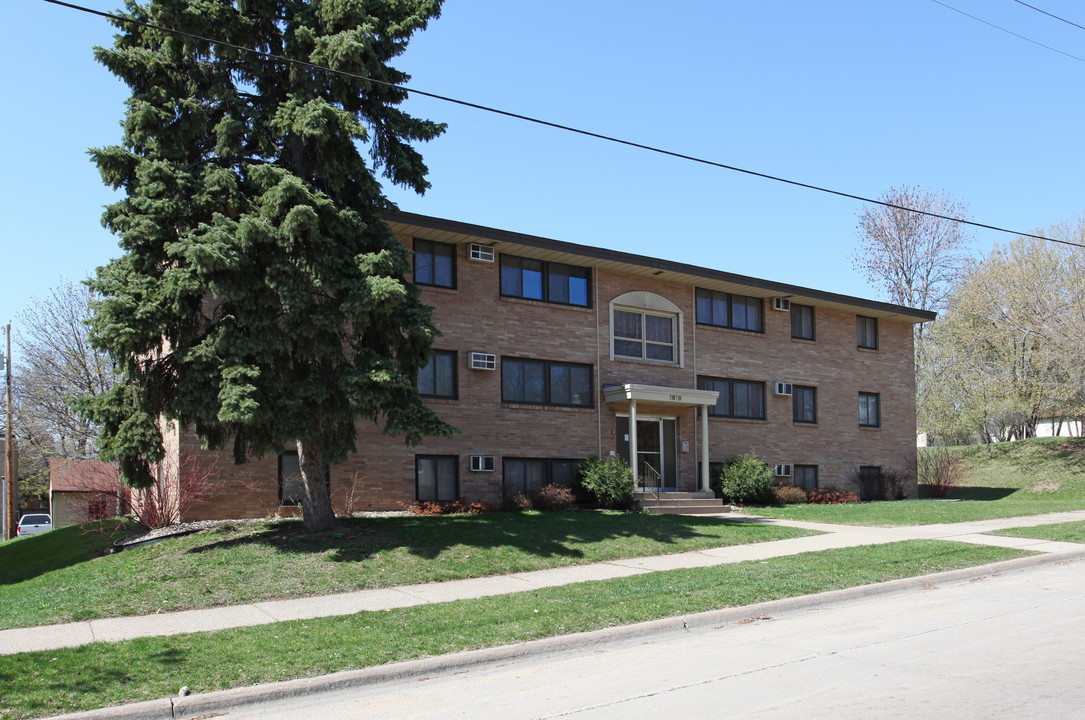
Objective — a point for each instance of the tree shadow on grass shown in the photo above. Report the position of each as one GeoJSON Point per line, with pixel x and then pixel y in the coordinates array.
{"type": "Point", "coordinates": [545, 535]}
{"type": "Point", "coordinates": [981, 493]}
{"type": "Point", "coordinates": [26, 558]}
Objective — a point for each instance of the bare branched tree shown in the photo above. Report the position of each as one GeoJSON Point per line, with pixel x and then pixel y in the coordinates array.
{"type": "Point", "coordinates": [1008, 353]}
{"type": "Point", "coordinates": [914, 258]}
{"type": "Point", "coordinates": [56, 364]}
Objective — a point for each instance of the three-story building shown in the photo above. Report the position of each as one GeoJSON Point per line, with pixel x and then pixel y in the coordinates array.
{"type": "Point", "coordinates": [552, 352]}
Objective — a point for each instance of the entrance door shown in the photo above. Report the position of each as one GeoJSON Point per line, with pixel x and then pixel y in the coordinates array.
{"type": "Point", "coordinates": [657, 444]}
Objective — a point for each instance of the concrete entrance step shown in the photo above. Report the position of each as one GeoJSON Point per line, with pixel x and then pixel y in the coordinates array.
{"type": "Point", "coordinates": [676, 494]}
{"type": "Point", "coordinates": [681, 503]}
{"type": "Point", "coordinates": [715, 509]}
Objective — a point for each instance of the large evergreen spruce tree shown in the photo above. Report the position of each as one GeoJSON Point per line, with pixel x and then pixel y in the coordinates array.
{"type": "Point", "coordinates": [260, 299]}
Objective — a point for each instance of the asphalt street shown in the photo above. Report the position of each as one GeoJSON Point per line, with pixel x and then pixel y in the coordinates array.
{"type": "Point", "coordinates": [1007, 645]}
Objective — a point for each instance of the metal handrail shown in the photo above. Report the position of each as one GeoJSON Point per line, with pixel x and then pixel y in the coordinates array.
{"type": "Point", "coordinates": [655, 490]}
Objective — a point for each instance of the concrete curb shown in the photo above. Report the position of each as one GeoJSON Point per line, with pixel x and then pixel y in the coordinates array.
{"type": "Point", "coordinates": [221, 701]}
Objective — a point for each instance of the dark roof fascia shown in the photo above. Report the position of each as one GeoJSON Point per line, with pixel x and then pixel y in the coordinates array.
{"type": "Point", "coordinates": [495, 235]}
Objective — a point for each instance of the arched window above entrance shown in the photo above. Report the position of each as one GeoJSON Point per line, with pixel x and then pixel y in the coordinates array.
{"type": "Point", "coordinates": [645, 326]}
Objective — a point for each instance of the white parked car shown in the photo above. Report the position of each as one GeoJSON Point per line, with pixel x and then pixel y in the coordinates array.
{"type": "Point", "coordinates": [33, 524]}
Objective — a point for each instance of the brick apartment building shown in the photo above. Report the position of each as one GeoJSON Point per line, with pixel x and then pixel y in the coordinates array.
{"type": "Point", "coordinates": [552, 352]}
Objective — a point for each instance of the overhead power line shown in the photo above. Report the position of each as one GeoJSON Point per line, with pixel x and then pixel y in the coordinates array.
{"type": "Point", "coordinates": [558, 126]}
{"type": "Point", "coordinates": [996, 27]}
{"type": "Point", "coordinates": [1050, 15]}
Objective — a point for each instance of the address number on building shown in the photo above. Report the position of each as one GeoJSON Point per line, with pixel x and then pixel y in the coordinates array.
{"type": "Point", "coordinates": [676, 398]}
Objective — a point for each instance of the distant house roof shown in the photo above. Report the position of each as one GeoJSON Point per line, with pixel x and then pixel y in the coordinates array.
{"type": "Point", "coordinates": [451, 231]}
{"type": "Point", "coordinates": [73, 475]}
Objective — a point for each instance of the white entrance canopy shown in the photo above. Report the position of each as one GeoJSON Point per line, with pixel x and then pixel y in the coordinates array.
{"type": "Point", "coordinates": [659, 395]}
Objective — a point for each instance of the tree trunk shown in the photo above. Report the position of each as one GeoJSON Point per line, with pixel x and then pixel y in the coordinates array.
{"type": "Point", "coordinates": [316, 504]}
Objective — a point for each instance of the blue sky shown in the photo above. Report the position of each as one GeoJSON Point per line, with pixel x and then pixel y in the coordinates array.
{"type": "Point", "coordinates": [856, 95]}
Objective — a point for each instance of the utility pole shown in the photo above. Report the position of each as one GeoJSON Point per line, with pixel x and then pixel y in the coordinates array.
{"type": "Point", "coordinates": [9, 449]}
{"type": "Point", "coordinates": [4, 476]}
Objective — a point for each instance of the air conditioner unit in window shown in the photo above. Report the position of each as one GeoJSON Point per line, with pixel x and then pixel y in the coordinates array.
{"type": "Point", "coordinates": [781, 304]}
{"type": "Point", "coordinates": [482, 361]}
{"type": "Point", "coordinates": [782, 470]}
{"type": "Point", "coordinates": [781, 388]}
{"type": "Point", "coordinates": [480, 253]}
{"type": "Point", "coordinates": [482, 463]}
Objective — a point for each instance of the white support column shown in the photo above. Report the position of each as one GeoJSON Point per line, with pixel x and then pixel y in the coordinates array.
{"type": "Point", "coordinates": [633, 440]}
{"type": "Point", "coordinates": [705, 485]}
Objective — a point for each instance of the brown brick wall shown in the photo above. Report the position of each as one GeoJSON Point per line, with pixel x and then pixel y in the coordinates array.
{"type": "Point", "coordinates": [474, 317]}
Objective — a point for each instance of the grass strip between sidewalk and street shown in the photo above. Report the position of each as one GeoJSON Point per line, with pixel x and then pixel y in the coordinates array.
{"type": "Point", "coordinates": [99, 675]}
{"type": "Point", "coordinates": [1060, 532]}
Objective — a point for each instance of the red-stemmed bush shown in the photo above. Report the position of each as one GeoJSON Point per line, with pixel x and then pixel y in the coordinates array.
{"type": "Point", "coordinates": [939, 471]}
{"type": "Point", "coordinates": [554, 497]}
{"type": "Point", "coordinates": [831, 496]}
{"type": "Point", "coordinates": [789, 495]}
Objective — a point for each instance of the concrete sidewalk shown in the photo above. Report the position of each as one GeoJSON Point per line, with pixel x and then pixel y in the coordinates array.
{"type": "Point", "coordinates": [834, 536]}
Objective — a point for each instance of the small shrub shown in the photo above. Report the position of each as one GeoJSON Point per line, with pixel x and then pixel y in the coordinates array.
{"type": "Point", "coordinates": [746, 480]}
{"type": "Point", "coordinates": [177, 488]}
{"type": "Point", "coordinates": [553, 497]}
{"type": "Point", "coordinates": [608, 481]}
{"type": "Point", "coordinates": [453, 507]}
{"type": "Point", "coordinates": [939, 471]}
{"type": "Point", "coordinates": [789, 495]}
{"type": "Point", "coordinates": [888, 484]}
{"type": "Point", "coordinates": [893, 484]}
{"type": "Point", "coordinates": [517, 502]}
{"type": "Point", "coordinates": [832, 496]}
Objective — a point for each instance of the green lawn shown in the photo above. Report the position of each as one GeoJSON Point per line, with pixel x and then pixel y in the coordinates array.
{"type": "Point", "coordinates": [1062, 532]}
{"type": "Point", "coordinates": [44, 683]}
{"type": "Point", "coordinates": [1026, 477]}
{"type": "Point", "coordinates": [61, 576]}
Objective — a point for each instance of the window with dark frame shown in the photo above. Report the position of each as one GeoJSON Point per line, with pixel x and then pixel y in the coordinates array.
{"type": "Point", "coordinates": [529, 475]}
{"type": "Point", "coordinates": [437, 478]}
{"type": "Point", "coordinates": [805, 477]}
{"type": "Point", "coordinates": [740, 399]}
{"type": "Point", "coordinates": [546, 382]}
{"type": "Point", "coordinates": [645, 335]}
{"type": "Point", "coordinates": [714, 469]}
{"type": "Point", "coordinates": [804, 401]}
{"type": "Point", "coordinates": [802, 322]}
{"type": "Point", "coordinates": [434, 264]}
{"type": "Point", "coordinates": [438, 378]}
{"type": "Point", "coordinates": [291, 487]}
{"type": "Point", "coordinates": [866, 332]}
{"type": "Point", "coordinates": [739, 312]}
{"type": "Point", "coordinates": [869, 410]}
{"type": "Point", "coordinates": [551, 282]}
{"type": "Point", "coordinates": [870, 480]}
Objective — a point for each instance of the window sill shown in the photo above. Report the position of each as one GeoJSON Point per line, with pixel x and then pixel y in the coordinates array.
{"type": "Point", "coordinates": [543, 303]}
{"type": "Point", "coordinates": [867, 350]}
{"type": "Point", "coordinates": [744, 421]}
{"type": "Point", "coordinates": [644, 361]}
{"type": "Point", "coordinates": [803, 424]}
{"type": "Point", "coordinates": [436, 288]}
{"type": "Point", "coordinates": [737, 331]}
{"type": "Point", "coordinates": [870, 427]}
{"type": "Point", "coordinates": [804, 341]}
{"type": "Point", "coordinates": [439, 400]}
{"type": "Point", "coordinates": [558, 408]}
